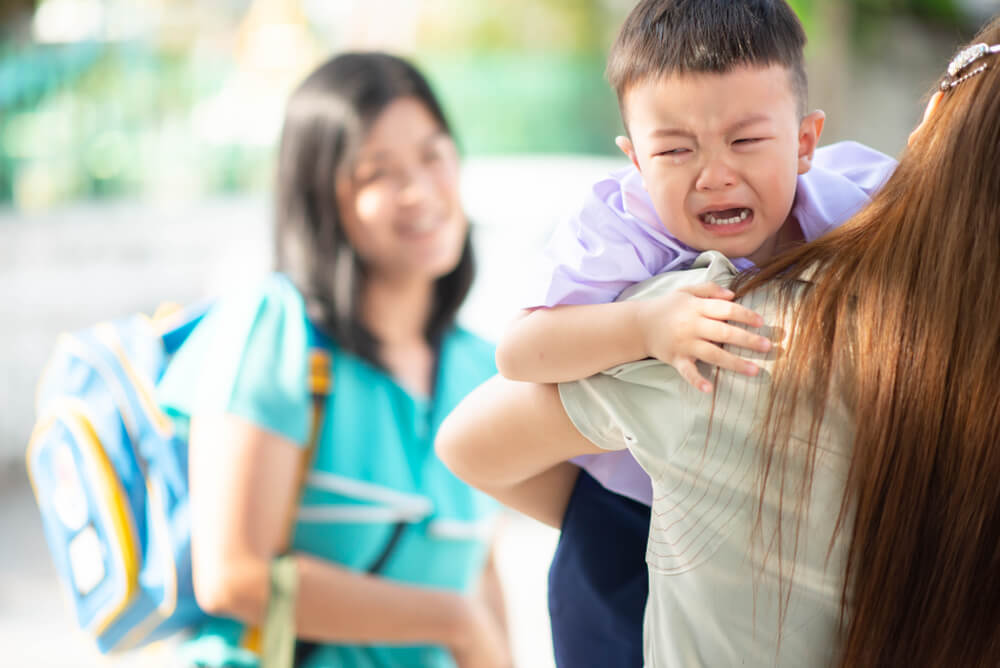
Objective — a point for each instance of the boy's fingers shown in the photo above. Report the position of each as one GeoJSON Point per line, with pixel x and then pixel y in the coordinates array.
{"type": "Point", "coordinates": [716, 356]}
{"type": "Point", "coordinates": [717, 331]}
{"type": "Point", "coordinates": [718, 309]}
{"type": "Point", "coordinates": [689, 372]}
{"type": "Point", "coordinates": [709, 290]}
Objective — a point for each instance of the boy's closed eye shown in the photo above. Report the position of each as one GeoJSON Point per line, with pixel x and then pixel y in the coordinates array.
{"type": "Point", "coordinates": [745, 142]}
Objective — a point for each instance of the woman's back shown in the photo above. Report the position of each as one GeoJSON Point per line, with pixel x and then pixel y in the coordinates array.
{"type": "Point", "coordinates": [715, 601]}
{"type": "Point", "coordinates": [875, 542]}
{"type": "Point", "coordinates": [907, 311]}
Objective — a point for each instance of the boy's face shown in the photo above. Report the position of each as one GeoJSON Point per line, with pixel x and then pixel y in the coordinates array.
{"type": "Point", "coordinates": [719, 155]}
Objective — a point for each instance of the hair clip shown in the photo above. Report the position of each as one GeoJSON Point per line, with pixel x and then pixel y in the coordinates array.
{"type": "Point", "coordinates": [965, 58]}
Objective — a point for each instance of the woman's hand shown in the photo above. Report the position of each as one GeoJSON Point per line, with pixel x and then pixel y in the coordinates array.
{"type": "Point", "coordinates": [484, 641]}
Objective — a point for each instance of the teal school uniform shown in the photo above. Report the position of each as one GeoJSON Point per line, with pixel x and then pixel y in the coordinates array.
{"type": "Point", "coordinates": [374, 465]}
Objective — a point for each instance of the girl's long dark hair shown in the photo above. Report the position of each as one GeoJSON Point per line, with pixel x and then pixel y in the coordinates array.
{"type": "Point", "coordinates": [326, 120]}
{"type": "Point", "coordinates": [903, 316]}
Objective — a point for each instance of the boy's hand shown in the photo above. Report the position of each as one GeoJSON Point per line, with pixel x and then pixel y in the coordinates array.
{"type": "Point", "coordinates": [687, 325]}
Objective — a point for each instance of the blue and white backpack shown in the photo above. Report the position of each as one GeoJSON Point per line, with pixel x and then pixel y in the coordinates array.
{"type": "Point", "coordinates": [110, 477]}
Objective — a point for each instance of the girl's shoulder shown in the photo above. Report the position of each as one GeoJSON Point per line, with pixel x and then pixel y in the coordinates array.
{"type": "Point", "coordinates": [467, 357]}
{"type": "Point", "coordinates": [248, 357]}
{"type": "Point", "coordinates": [471, 344]}
{"type": "Point", "coordinates": [272, 291]}
{"type": "Point", "coordinates": [268, 309]}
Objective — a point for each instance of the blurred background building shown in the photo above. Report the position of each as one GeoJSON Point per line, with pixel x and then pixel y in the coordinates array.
{"type": "Point", "coordinates": [136, 140]}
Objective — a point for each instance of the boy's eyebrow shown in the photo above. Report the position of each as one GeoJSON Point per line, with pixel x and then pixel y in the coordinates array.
{"type": "Point", "coordinates": [748, 121]}
{"type": "Point", "coordinates": [735, 127]}
{"type": "Point", "coordinates": [671, 132]}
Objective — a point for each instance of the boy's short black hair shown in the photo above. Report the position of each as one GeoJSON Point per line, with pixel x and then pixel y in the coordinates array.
{"type": "Point", "coordinates": [663, 37]}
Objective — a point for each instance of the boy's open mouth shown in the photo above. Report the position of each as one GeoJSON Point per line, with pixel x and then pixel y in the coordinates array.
{"type": "Point", "coordinates": [725, 216]}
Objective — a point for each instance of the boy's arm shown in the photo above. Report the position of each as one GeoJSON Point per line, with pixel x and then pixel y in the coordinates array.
{"type": "Point", "coordinates": [512, 441]}
{"type": "Point", "coordinates": [567, 343]}
{"type": "Point", "coordinates": [590, 259]}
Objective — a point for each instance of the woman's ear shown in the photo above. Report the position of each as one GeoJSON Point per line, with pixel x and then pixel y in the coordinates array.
{"type": "Point", "coordinates": [810, 130]}
{"type": "Point", "coordinates": [625, 144]}
{"type": "Point", "coordinates": [929, 111]}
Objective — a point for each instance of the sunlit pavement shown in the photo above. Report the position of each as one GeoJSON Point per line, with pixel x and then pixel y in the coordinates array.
{"type": "Point", "coordinates": [37, 631]}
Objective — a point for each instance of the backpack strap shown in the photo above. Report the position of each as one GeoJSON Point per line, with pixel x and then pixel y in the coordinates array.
{"type": "Point", "coordinates": [303, 649]}
{"type": "Point", "coordinates": [281, 631]}
{"type": "Point", "coordinates": [275, 640]}
{"type": "Point", "coordinates": [320, 385]}
{"type": "Point", "coordinates": [174, 324]}
{"type": "Point", "coordinates": [390, 547]}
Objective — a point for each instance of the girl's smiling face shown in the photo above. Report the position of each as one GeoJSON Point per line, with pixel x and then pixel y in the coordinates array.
{"type": "Point", "coordinates": [399, 200]}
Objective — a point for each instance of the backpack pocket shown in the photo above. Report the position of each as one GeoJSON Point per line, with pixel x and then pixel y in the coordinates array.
{"type": "Point", "coordinates": [109, 477]}
{"type": "Point", "coordinates": [87, 515]}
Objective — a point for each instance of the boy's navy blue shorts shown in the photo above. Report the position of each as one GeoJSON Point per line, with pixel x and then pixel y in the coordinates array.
{"type": "Point", "coordinates": [598, 581]}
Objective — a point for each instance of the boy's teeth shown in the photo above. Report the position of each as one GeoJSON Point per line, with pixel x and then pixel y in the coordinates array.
{"type": "Point", "coordinates": [714, 219]}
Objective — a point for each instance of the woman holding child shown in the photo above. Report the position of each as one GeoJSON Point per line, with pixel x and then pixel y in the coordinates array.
{"type": "Point", "coordinates": [389, 552]}
{"type": "Point", "coordinates": [713, 94]}
{"type": "Point", "coordinates": [838, 507]}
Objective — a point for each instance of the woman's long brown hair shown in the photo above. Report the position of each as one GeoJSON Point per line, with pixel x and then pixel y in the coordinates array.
{"type": "Point", "coordinates": [902, 315]}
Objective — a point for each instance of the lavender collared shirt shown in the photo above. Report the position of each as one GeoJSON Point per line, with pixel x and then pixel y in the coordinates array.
{"type": "Point", "coordinates": [616, 240]}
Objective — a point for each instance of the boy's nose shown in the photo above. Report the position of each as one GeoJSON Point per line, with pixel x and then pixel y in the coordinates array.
{"type": "Point", "coordinates": [715, 175]}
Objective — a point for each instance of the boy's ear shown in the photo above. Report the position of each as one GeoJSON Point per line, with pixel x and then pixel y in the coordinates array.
{"type": "Point", "coordinates": [625, 144]}
{"type": "Point", "coordinates": [809, 133]}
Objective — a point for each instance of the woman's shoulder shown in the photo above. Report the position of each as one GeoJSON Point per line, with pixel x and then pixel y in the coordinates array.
{"type": "Point", "coordinates": [708, 266]}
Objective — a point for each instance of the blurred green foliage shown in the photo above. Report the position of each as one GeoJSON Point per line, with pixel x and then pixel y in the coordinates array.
{"type": "Point", "coordinates": [525, 76]}
{"type": "Point", "coordinates": [516, 26]}
{"type": "Point", "coordinates": [119, 118]}
{"type": "Point", "coordinates": [868, 16]}
{"type": "Point", "coordinates": [111, 119]}
{"type": "Point", "coordinates": [526, 102]}
{"type": "Point", "coordinates": [941, 11]}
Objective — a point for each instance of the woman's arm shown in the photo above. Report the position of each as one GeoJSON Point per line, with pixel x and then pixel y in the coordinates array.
{"type": "Point", "coordinates": [542, 497]}
{"type": "Point", "coordinates": [512, 440]}
{"type": "Point", "coordinates": [243, 481]}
